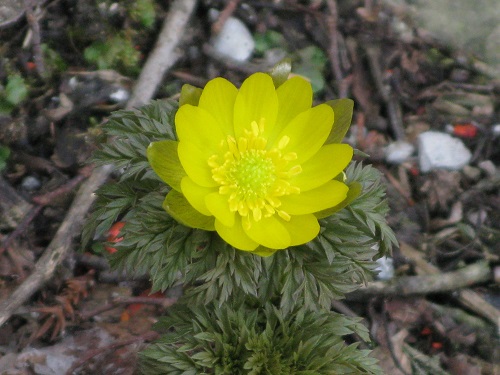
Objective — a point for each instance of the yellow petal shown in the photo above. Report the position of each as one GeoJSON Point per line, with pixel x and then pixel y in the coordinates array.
{"type": "Point", "coordinates": [180, 209]}
{"type": "Point", "coordinates": [328, 162]}
{"type": "Point", "coordinates": [165, 162]}
{"type": "Point", "coordinates": [235, 236]}
{"type": "Point", "coordinates": [294, 97]}
{"type": "Point", "coordinates": [195, 195]}
{"type": "Point", "coordinates": [218, 98]}
{"type": "Point", "coordinates": [219, 207]}
{"type": "Point", "coordinates": [263, 251]}
{"type": "Point", "coordinates": [308, 132]}
{"type": "Point", "coordinates": [321, 198]}
{"type": "Point", "coordinates": [355, 190]}
{"type": "Point", "coordinates": [269, 232]}
{"type": "Point", "coordinates": [195, 163]}
{"type": "Point", "coordinates": [256, 99]}
{"type": "Point", "coordinates": [302, 228]}
{"type": "Point", "coordinates": [197, 126]}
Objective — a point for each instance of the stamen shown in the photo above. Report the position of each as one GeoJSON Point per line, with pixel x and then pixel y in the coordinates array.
{"type": "Point", "coordinates": [255, 128]}
{"type": "Point", "coordinates": [262, 124]}
{"type": "Point", "coordinates": [253, 178]}
{"type": "Point", "coordinates": [257, 214]}
{"type": "Point", "coordinates": [295, 170]}
{"type": "Point", "coordinates": [285, 216]}
{"type": "Point", "coordinates": [283, 142]}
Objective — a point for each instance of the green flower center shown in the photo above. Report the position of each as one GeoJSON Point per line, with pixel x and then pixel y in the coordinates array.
{"type": "Point", "coordinates": [252, 176]}
{"type": "Point", "coordinates": [254, 173]}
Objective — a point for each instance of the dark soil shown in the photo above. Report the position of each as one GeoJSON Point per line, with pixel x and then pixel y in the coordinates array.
{"type": "Point", "coordinates": [76, 61]}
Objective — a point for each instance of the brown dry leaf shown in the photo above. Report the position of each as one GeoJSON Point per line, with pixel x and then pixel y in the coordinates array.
{"type": "Point", "coordinates": [407, 312]}
{"type": "Point", "coordinates": [461, 365]}
{"type": "Point", "coordinates": [441, 187]}
{"type": "Point", "coordinates": [385, 361]}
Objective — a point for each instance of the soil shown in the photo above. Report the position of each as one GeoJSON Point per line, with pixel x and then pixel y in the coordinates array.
{"type": "Point", "coordinates": [65, 65]}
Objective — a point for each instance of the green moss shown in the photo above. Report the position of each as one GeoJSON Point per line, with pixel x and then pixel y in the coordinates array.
{"type": "Point", "coordinates": [143, 11]}
{"type": "Point", "coordinates": [117, 52]}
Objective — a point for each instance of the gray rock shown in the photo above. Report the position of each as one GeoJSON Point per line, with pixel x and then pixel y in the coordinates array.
{"type": "Point", "coordinates": [441, 151]}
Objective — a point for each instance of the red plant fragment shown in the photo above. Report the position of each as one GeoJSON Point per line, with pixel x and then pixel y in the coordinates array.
{"type": "Point", "coordinates": [437, 345]}
{"type": "Point", "coordinates": [133, 308]}
{"type": "Point", "coordinates": [465, 130]}
{"type": "Point", "coordinates": [426, 331]}
{"type": "Point", "coordinates": [30, 65]}
{"type": "Point", "coordinates": [113, 234]}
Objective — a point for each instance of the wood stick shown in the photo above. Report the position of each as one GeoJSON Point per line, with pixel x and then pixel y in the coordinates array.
{"type": "Point", "coordinates": [444, 282]}
{"type": "Point", "coordinates": [161, 59]}
{"type": "Point", "coordinates": [466, 297]}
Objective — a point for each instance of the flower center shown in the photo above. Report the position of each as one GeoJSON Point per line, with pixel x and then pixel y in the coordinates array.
{"type": "Point", "coordinates": [252, 176]}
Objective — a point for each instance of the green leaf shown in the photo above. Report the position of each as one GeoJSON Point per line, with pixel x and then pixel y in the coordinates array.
{"type": "Point", "coordinates": [164, 160]}
{"type": "Point", "coordinates": [342, 109]}
{"type": "Point", "coordinates": [280, 72]}
{"type": "Point", "coordinates": [268, 40]}
{"type": "Point", "coordinates": [255, 339]}
{"type": "Point", "coordinates": [179, 208]}
{"type": "Point", "coordinates": [313, 56]}
{"type": "Point", "coordinates": [116, 52]}
{"type": "Point", "coordinates": [190, 95]}
{"type": "Point", "coordinates": [16, 89]}
{"type": "Point", "coordinates": [144, 12]}
{"type": "Point", "coordinates": [314, 76]}
{"type": "Point", "coordinates": [4, 155]}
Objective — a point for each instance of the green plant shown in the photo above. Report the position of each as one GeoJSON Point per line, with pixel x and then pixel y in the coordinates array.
{"type": "Point", "coordinates": [4, 155]}
{"type": "Point", "coordinates": [257, 300]}
{"type": "Point", "coordinates": [143, 11]}
{"type": "Point", "coordinates": [239, 338]}
{"type": "Point", "coordinates": [116, 52]}
{"type": "Point", "coordinates": [13, 94]}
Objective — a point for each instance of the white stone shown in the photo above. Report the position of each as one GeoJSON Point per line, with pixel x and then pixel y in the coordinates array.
{"type": "Point", "coordinates": [119, 95]}
{"type": "Point", "coordinates": [398, 152]}
{"type": "Point", "coordinates": [441, 151]}
{"type": "Point", "coordinates": [385, 268]}
{"type": "Point", "coordinates": [496, 130]}
{"type": "Point", "coordinates": [234, 40]}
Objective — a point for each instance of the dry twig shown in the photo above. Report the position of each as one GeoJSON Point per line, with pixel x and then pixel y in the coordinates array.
{"type": "Point", "coordinates": [409, 285]}
{"type": "Point", "coordinates": [163, 302]}
{"type": "Point", "coordinates": [31, 17]}
{"type": "Point", "coordinates": [467, 297]}
{"type": "Point", "coordinates": [148, 336]}
{"type": "Point", "coordinates": [333, 49]}
{"type": "Point", "coordinates": [161, 59]}
{"type": "Point", "coordinates": [224, 15]}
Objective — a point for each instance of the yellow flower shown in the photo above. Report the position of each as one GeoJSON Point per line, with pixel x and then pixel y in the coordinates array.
{"type": "Point", "coordinates": [253, 163]}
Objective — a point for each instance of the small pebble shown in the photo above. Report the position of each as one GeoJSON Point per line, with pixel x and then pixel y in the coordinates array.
{"type": "Point", "coordinates": [385, 268]}
{"type": "Point", "coordinates": [477, 218]}
{"type": "Point", "coordinates": [459, 75]}
{"type": "Point", "coordinates": [441, 151]}
{"type": "Point", "coordinates": [496, 130]}
{"type": "Point", "coordinates": [398, 152]}
{"type": "Point", "coordinates": [234, 40]}
{"type": "Point", "coordinates": [472, 173]}
{"type": "Point", "coordinates": [119, 95]}
{"type": "Point", "coordinates": [488, 167]}
{"type": "Point", "coordinates": [31, 183]}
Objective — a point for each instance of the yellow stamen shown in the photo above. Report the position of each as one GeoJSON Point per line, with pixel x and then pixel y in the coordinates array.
{"type": "Point", "coordinates": [252, 176]}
